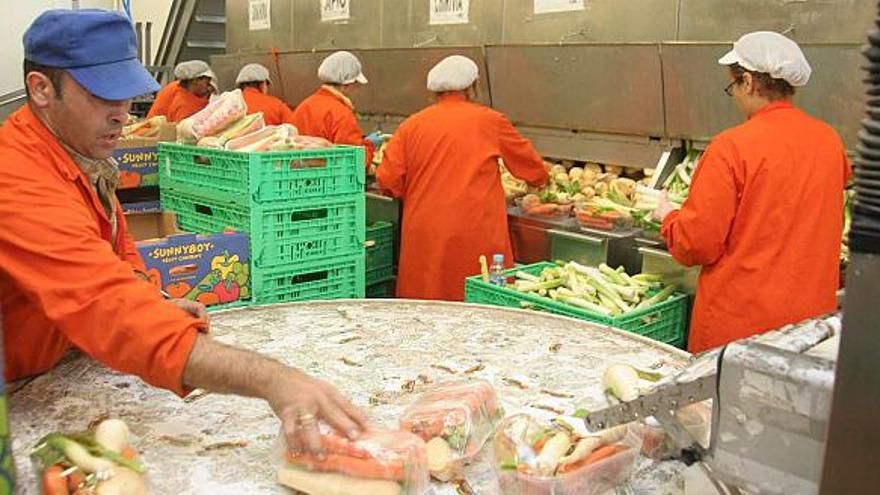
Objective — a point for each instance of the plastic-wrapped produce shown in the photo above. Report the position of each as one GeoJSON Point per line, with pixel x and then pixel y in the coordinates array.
{"type": "Point", "coordinates": [98, 461]}
{"type": "Point", "coordinates": [220, 113]}
{"type": "Point", "coordinates": [461, 414]}
{"type": "Point", "coordinates": [536, 459]}
{"type": "Point", "coordinates": [380, 462]}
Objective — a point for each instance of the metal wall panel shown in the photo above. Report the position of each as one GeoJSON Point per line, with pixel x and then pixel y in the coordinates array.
{"type": "Point", "coordinates": [595, 87]}
{"type": "Point", "coordinates": [601, 21]}
{"type": "Point", "coordinates": [698, 109]}
{"type": "Point", "coordinates": [240, 39]}
{"type": "Point", "coordinates": [226, 68]}
{"type": "Point", "coordinates": [484, 28]}
{"type": "Point", "coordinates": [820, 21]}
{"type": "Point", "coordinates": [363, 30]}
{"type": "Point", "coordinates": [398, 78]}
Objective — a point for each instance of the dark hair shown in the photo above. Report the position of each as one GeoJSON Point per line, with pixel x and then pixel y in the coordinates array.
{"type": "Point", "coordinates": [251, 84]}
{"type": "Point", "coordinates": [769, 87]}
{"type": "Point", "coordinates": [53, 73]}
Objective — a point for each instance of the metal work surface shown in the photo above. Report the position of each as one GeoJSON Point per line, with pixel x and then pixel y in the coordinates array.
{"type": "Point", "coordinates": [697, 108]}
{"type": "Point", "coordinates": [570, 87]}
{"type": "Point", "coordinates": [379, 353]}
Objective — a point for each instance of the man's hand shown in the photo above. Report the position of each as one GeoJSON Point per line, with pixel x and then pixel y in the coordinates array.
{"type": "Point", "coordinates": [301, 402]}
{"type": "Point", "coordinates": [194, 308]}
{"type": "Point", "coordinates": [664, 208]}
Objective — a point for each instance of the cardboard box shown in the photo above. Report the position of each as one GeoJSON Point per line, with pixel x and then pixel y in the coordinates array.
{"type": "Point", "coordinates": [142, 207]}
{"type": "Point", "coordinates": [151, 225]}
{"type": "Point", "coordinates": [138, 158]}
{"type": "Point", "coordinates": [212, 269]}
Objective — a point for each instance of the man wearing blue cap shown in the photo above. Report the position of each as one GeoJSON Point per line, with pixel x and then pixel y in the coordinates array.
{"type": "Point", "coordinates": [68, 266]}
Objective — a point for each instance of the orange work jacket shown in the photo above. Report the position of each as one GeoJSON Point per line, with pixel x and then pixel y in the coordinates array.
{"type": "Point", "coordinates": [163, 100]}
{"type": "Point", "coordinates": [185, 103]}
{"type": "Point", "coordinates": [764, 220]}
{"type": "Point", "coordinates": [64, 282]}
{"type": "Point", "coordinates": [443, 163]}
{"type": "Point", "coordinates": [326, 115]}
{"type": "Point", "coordinates": [275, 111]}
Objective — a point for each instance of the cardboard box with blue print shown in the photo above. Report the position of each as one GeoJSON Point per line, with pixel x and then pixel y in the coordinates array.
{"type": "Point", "coordinates": [212, 269]}
{"type": "Point", "coordinates": [138, 158]}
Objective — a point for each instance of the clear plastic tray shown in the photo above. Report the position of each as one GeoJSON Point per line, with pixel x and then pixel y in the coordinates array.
{"type": "Point", "coordinates": [590, 479]}
{"type": "Point", "coordinates": [380, 462]}
{"type": "Point", "coordinates": [462, 413]}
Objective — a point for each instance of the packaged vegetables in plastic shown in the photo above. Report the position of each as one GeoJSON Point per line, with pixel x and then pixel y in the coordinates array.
{"type": "Point", "coordinates": [380, 462]}
{"type": "Point", "coordinates": [100, 462]}
{"type": "Point", "coordinates": [536, 459]}
{"type": "Point", "coordinates": [455, 419]}
{"type": "Point", "coordinates": [220, 113]}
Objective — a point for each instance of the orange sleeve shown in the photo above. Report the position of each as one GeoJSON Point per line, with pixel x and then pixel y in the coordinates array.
{"type": "Point", "coordinates": [391, 173]}
{"type": "Point", "coordinates": [348, 131]}
{"type": "Point", "coordinates": [52, 250]}
{"type": "Point", "coordinates": [520, 157]}
{"type": "Point", "coordinates": [163, 100]}
{"type": "Point", "coordinates": [697, 234]}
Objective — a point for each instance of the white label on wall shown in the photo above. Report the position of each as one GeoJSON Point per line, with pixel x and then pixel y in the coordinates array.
{"type": "Point", "coordinates": [449, 11]}
{"type": "Point", "coordinates": [335, 10]}
{"type": "Point", "coordinates": [259, 14]}
{"type": "Point", "coordinates": [550, 6]}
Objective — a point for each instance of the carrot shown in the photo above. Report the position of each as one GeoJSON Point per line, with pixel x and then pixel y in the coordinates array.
{"type": "Point", "coordinates": [54, 482]}
{"type": "Point", "coordinates": [351, 466]}
{"type": "Point", "coordinates": [129, 453]}
{"type": "Point", "coordinates": [335, 444]}
{"type": "Point", "coordinates": [75, 480]}
{"type": "Point", "coordinates": [599, 454]}
{"type": "Point", "coordinates": [540, 444]}
{"type": "Point", "coordinates": [548, 209]}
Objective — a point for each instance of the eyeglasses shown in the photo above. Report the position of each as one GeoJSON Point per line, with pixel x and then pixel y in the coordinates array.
{"type": "Point", "coordinates": [729, 89]}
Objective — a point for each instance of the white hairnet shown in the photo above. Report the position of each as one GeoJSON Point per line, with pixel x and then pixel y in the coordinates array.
{"type": "Point", "coordinates": [252, 73]}
{"type": "Point", "coordinates": [192, 69]}
{"type": "Point", "coordinates": [770, 53]}
{"type": "Point", "coordinates": [341, 68]}
{"type": "Point", "coordinates": [453, 73]}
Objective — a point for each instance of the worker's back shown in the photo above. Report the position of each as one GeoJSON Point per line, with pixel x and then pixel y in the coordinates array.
{"type": "Point", "coordinates": [780, 260]}
{"type": "Point", "coordinates": [443, 162]}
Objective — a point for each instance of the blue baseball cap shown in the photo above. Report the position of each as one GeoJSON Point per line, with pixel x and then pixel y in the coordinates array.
{"type": "Point", "coordinates": [98, 48]}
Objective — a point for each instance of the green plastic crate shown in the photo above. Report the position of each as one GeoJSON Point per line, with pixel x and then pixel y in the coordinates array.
{"type": "Point", "coordinates": [282, 232]}
{"type": "Point", "coordinates": [245, 178]}
{"type": "Point", "coordinates": [380, 252]}
{"type": "Point", "coordinates": [382, 290]}
{"type": "Point", "coordinates": [664, 322]}
{"type": "Point", "coordinates": [379, 274]}
{"type": "Point", "coordinates": [333, 278]}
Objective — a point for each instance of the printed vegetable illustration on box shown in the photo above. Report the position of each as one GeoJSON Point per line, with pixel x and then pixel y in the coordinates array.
{"type": "Point", "coordinates": [210, 269]}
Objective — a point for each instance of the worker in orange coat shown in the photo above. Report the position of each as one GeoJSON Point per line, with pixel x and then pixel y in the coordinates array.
{"type": "Point", "coordinates": [329, 112]}
{"type": "Point", "coordinates": [165, 96]}
{"type": "Point", "coordinates": [764, 216]}
{"type": "Point", "coordinates": [253, 81]}
{"type": "Point", "coordinates": [70, 276]}
{"type": "Point", "coordinates": [443, 163]}
{"type": "Point", "coordinates": [197, 83]}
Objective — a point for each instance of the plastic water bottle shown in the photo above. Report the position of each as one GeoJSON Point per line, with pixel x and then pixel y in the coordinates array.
{"type": "Point", "coordinates": [496, 271]}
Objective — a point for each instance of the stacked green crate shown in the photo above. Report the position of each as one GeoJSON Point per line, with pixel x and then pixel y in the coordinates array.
{"type": "Point", "coordinates": [380, 260]}
{"type": "Point", "coordinates": [303, 210]}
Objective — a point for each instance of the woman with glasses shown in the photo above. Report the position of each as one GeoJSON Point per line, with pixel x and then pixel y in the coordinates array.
{"type": "Point", "coordinates": [765, 212]}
